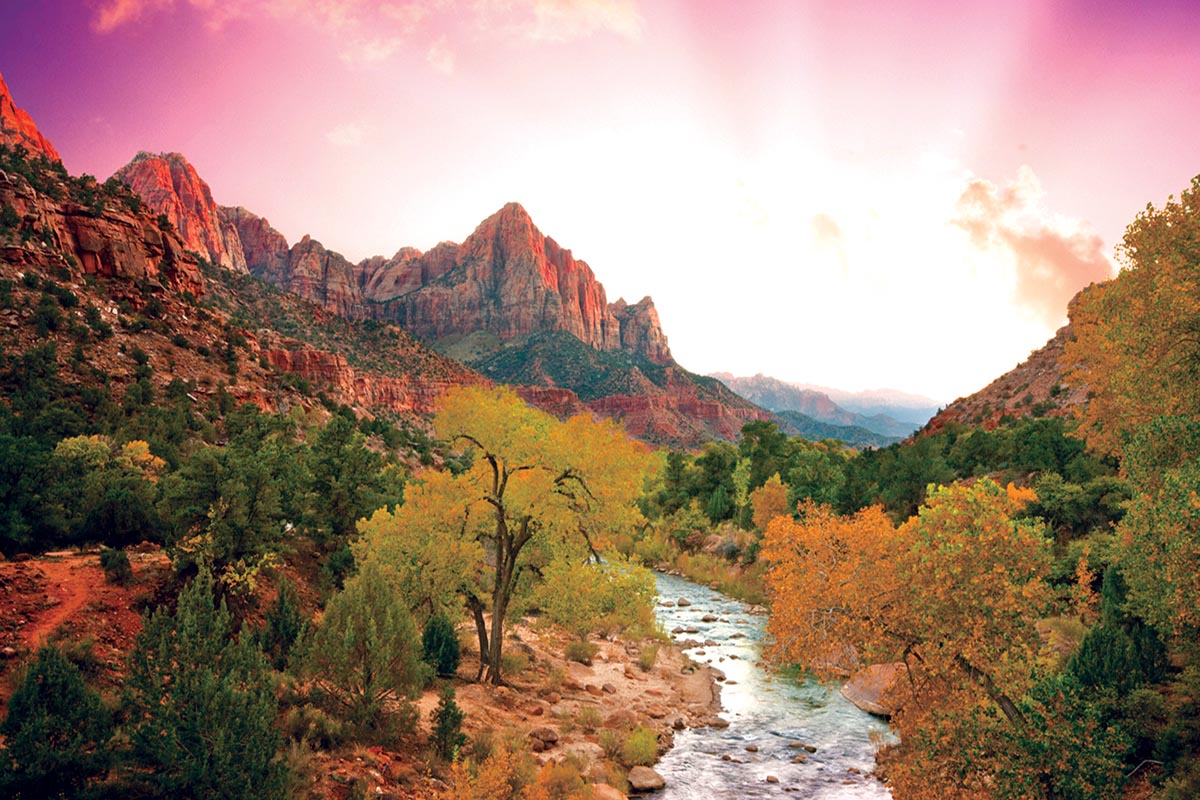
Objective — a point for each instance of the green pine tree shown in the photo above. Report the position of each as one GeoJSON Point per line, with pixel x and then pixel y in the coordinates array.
{"type": "Point", "coordinates": [447, 725]}
{"type": "Point", "coordinates": [56, 732]}
{"type": "Point", "coordinates": [366, 654]}
{"type": "Point", "coordinates": [201, 704]}
{"type": "Point", "coordinates": [440, 643]}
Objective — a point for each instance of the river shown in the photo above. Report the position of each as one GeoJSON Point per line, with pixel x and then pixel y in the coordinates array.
{"type": "Point", "coordinates": [765, 712]}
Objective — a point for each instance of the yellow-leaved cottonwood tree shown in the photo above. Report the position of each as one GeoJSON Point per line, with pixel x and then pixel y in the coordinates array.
{"type": "Point", "coordinates": [538, 490]}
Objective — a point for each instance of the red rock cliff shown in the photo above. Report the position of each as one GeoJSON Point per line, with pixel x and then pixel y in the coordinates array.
{"type": "Point", "coordinates": [171, 186]}
{"type": "Point", "coordinates": [508, 279]}
{"type": "Point", "coordinates": [405, 393]}
{"type": "Point", "coordinates": [264, 248]}
{"type": "Point", "coordinates": [115, 243]}
{"type": "Point", "coordinates": [18, 128]}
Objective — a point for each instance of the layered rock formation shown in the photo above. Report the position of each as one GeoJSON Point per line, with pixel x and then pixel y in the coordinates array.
{"type": "Point", "coordinates": [171, 186]}
{"type": "Point", "coordinates": [510, 280]}
{"type": "Point", "coordinates": [62, 229]}
{"type": "Point", "coordinates": [542, 320]}
{"type": "Point", "coordinates": [261, 245]}
{"type": "Point", "coordinates": [18, 128]}
{"type": "Point", "coordinates": [115, 243]}
{"type": "Point", "coordinates": [507, 278]}
{"type": "Point", "coordinates": [326, 278]}
{"type": "Point", "coordinates": [406, 393]}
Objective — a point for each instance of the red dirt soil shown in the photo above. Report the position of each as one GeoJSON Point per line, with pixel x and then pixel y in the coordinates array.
{"type": "Point", "coordinates": [63, 597]}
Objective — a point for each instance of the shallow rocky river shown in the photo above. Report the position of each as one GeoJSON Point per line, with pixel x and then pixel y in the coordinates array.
{"type": "Point", "coordinates": [774, 716]}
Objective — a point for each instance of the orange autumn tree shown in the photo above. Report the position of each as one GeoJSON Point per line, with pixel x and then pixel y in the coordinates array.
{"type": "Point", "coordinates": [538, 491]}
{"type": "Point", "coordinates": [953, 594]}
{"type": "Point", "coordinates": [1136, 345]}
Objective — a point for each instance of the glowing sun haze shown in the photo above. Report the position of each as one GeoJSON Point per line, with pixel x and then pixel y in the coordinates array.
{"type": "Point", "coordinates": [854, 194]}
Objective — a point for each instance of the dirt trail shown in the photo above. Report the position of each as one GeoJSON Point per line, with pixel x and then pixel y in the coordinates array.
{"type": "Point", "coordinates": [71, 578]}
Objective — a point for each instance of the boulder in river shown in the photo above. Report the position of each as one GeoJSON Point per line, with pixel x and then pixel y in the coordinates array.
{"type": "Point", "coordinates": [683, 602]}
{"type": "Point", "coordinates": [644, 779]}
{"type": "Point", "coordinates": [877, 689]}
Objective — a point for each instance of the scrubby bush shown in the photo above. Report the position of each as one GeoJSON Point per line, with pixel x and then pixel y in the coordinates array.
{"type": "Point", "coordinates": [309, 725]}
{"type": "Point", "coordinates": [640, 748]}
{"type": "Point", "coordinates": [364, 657]}
{"type": "Point", "coordinates": [589, 719]}
{"type": "Point", "coordinates": [581, 650]}
{"type": "Point", "coordinates": [647, 657]}
{"type": "Point", "coordinates": [116, 566]}
{"type": "Point", "coordinates": [612, 742]}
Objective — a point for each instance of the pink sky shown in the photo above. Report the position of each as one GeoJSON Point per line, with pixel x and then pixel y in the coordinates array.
{"type": "Point", "coordinates": [854, 194]}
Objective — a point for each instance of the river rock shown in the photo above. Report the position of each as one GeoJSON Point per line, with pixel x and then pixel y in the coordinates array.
{"type": "Point", "coordinates": [602, 791]}
{"type": "Point", "coordinates": [644, 779]}
{"type": "Point", "coordinates": [875, 688]}
{"type": "Point", "coordinates": [683, 602]}
{"type": "Point", "coordinates": [709, 618]}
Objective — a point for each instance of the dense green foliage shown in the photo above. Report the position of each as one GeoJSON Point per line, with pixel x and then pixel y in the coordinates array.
{"type": "Point", "coordinates": [447, 725]}
{"type": "Point", "coordinates": [439, 642]}
{"type": "Point", "coordinates": [365, 657]}
{"type": "Point", "coordinates": [55, 734]}
{"type": "Point", "coordinates": [283, 627]}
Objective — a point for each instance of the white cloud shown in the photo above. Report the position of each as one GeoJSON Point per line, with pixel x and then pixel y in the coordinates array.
{"type": "Point", "coordinates": [565, 20]}
{"type": "Point", "coordinates": [370, 31]}
{"type": "Point", "coordinates": [112, 14]}
{"type": "Point", "coordinates": [1054, 256]}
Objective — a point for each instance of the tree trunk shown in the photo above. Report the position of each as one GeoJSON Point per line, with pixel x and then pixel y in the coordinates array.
{"type": "Point", "coordinates": [481, 631]}
{"type": "Point", "coordinates": [499, 608]}
{"type": "Point", "coordinates": [1002, 700]}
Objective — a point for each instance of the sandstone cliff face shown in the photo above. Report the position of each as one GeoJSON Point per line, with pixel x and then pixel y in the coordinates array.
{"type": "Point", "coordinates": [326, 278]}
{"type": "Point", "coordinates": [18, 128]}
{"type": "Point", "coordinates": [1034, 385]}
{"type": "Point", "coordinates": [406, 394]}
{"type": "Point", "coordinates": [507, 278]}
{"type": "Point", "coordinates": [116, 243]}
{"type": "Point", "coordinates": [679, 413]}
{"type": "Point", "coordinates": [510, 280]}
{"type": "Point", "coordinates": [405, 272]}
{"type": "Point", "coordinates": [264, 248]}
{"type": "Point", "coordinates": [171, 186]}
{"type": "Point", "coordinates": [640, 329]}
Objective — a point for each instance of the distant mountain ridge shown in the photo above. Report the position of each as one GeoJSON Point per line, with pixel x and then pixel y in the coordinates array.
{"type": "Point", "coordinates": [900, 406]}
{"type": "Point", "coordinates": [501, 301]}
{"type": "Point", "coordinates": [818, 405]}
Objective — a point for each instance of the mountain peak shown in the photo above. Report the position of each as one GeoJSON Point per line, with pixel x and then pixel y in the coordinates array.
{"type": "Point", "coordinates": [171, 186]}
{"type": "Point", "coordinates": [18, 128]}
